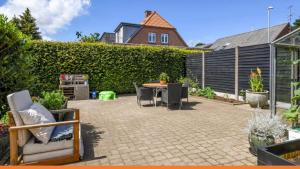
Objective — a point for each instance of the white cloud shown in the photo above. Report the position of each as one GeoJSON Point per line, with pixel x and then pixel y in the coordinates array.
{"type": "Point", "coordinates": [47, 38]}
{"type": "Point", "coordinates": [51, 15]}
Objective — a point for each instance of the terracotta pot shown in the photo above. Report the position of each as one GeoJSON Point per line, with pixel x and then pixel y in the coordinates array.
{"type": "Point", "coordinates": [163, 82]}
{"type": "Point", "coordinates": [256, 99]}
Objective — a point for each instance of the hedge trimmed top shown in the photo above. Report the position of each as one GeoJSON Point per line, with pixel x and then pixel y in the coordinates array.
{"type": "Point", "coordinates": [110, 67]}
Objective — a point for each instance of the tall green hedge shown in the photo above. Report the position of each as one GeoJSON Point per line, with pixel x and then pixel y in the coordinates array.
{"type": "Point", "coordinates": [13, 61]}
{"type": "Point", "coordinates": [110, 67]}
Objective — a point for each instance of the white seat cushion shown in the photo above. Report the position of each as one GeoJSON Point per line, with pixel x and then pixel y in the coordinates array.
{"type": "Point", "coordinates": [33, 148]}
{"type": "Point", "coordinates": [35, 151]}
{"type": "Point", "coordinates": [38, 114]}
{"type": "Point", "coordinates": [20, 101]}
{"type": "Point", "coordinates": [47, 155]}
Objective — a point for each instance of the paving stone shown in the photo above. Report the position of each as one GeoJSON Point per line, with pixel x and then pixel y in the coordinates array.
{"type": "Point", "coordinates": [204, 132]}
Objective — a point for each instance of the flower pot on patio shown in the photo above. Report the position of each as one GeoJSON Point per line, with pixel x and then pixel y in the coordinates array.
{"type": "Point", "coordinates": [163, 78]}
{"type": "Point", "coordinates": [264, 131]}
{"type": "Point", "coordinates": [259, 140]}
{"type": "Point", "coordinates": [256, 99]}
{"type": "Point", "coordinates": [162, 82]}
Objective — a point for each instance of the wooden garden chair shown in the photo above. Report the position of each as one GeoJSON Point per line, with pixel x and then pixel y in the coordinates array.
{"type": "Point", "coordinates": [32, 153]}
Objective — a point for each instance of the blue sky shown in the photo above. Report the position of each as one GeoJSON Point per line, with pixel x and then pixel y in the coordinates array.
{"type": "Point", "coordinates": [195, 20]}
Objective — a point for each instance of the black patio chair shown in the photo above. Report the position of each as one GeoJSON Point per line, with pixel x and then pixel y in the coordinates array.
{"type": "Point", "coordinates": [185, 91]}
{"type": "Point", "coordinates": [154, 81]}
{"type": "Point", "coordinates": [143, 93]}
{"type": "Point", "coordinates": [172, 95]}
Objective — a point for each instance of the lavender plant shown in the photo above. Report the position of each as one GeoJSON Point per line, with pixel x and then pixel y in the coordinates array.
{"type": "Point", "coordinates": [262, 124]}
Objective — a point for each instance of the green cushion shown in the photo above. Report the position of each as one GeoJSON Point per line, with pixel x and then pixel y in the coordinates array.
{"type": "Point", "coordinates": [107, 95]}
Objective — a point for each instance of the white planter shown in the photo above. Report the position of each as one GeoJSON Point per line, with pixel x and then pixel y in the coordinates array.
{"type": "Point", "coordinates": [293, 134]}
{"type": "Point", "coordinates": [256, 99]}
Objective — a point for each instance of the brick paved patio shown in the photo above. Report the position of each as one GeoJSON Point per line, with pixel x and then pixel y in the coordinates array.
{"type": "Point", "coordinates": [204, 132]}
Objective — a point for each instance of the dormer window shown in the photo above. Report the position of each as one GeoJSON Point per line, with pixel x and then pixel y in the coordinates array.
{"type": "Point", "coordinates": [151, 37]}
{"type": "Point", "coordinates": [164, 38]}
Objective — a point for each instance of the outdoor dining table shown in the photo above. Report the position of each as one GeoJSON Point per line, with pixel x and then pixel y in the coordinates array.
{"type": "Point", "coordinates": [156, 87]}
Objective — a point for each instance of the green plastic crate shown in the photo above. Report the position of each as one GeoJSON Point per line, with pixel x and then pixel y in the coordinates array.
{"type": "Point", "coordinates": [107, 95]}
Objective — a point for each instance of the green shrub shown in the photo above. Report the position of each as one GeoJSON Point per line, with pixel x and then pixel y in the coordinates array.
{"type": "Point", "coordinates": [207, 92]}
{"type": "Point", "coordinates": [13, 61]}
{"type": "Point", "coordinates": [110, 67]}
{"type": "Point", "coordinates": [4, 118]}
{"type": "Point", "coordinates": [193, 85]}
{"type": "Point", "coordinates": [191, 82]}
{"type": "Point", "coordinates": [52, 100]}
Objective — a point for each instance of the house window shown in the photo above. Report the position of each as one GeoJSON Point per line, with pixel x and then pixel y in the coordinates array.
{"type": "Point", "coordinates": [164, 38]}
{"type": "Point", "coordinates": [151, 37]}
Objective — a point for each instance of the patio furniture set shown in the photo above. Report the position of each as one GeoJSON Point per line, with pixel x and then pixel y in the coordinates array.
{"type": "Point", "coordinates": [170, 93]}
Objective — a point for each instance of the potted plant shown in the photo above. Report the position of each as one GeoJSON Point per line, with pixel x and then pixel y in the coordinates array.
{"type": "Point", "coordinates": [164, 78]}
{"type": "Point", "coordinates": [256, 96]}
{"type": "Point", "coordinates": [54, 100]}
{"type": "Point", "coordinates": [264, 130]}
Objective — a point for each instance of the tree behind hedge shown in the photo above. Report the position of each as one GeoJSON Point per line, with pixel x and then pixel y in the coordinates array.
{"type": "Point", "coordinates": [93, 37]}
{"type": "Point", "coordinates": [13, 60]}
{"type": "Point", "coordinates": [296, 24]}
{"type": "Point", "coordinates": [27, 24]}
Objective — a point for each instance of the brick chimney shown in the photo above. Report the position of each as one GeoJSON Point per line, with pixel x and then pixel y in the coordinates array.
{"type": "Point", "coordinates": [147, 13]}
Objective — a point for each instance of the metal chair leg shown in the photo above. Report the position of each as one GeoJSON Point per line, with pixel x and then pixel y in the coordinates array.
{"type": "Point", "coordinates": [180, 105]}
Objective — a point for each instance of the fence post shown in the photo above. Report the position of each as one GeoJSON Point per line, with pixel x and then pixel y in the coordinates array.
{"type": "Point", "coordinates": [203, 70]}
{"type": "Point", "coordinates": [236, 73]}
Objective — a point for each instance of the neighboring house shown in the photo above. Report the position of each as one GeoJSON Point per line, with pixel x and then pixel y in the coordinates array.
{"type": "Point", "coordinates": [108, 37]}
{"type": "Point", "coordinates": [256, 37]}
{"type": "Point", "coordinates": [153, 30]}
{"type": "Point", "coordinates": [204, 46]}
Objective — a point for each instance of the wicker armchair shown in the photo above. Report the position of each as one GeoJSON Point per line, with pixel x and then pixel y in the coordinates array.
{"type": "Point", "coordinates": [143, 93]}
{"type": "Point", "coordinates": [172, 95]}
{"type": "Point", "coordinates": [185, 91]}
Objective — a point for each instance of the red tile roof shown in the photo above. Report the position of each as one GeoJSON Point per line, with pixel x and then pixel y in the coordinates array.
{"type": "Point", "coordinates": [154, 19]}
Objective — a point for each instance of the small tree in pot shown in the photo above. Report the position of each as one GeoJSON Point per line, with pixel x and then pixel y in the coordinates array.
{"type": "Point", "coordinates": [256, 96]}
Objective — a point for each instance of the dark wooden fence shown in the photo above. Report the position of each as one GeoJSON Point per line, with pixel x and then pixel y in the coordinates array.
{"type": "Point", "coordinates": [194, 67]}
{"type": "Point", "coordinates": [220, 69]}
{"type": "Point", "coordinates": [250, 58]}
